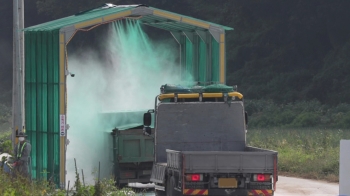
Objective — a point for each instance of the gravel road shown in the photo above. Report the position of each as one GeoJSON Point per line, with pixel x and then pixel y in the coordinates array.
{"type": "Point", "coordinates": [288, 186]}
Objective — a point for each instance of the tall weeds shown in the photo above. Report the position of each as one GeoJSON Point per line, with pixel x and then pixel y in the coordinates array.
{"type": "Point", "coordinates": [13, 186]}
{"type": "Point", "coordinates": [309, 152]}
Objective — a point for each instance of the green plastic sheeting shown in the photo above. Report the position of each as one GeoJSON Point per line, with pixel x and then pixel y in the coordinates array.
{"type": "Point", "coordinates": [189, 57]}
{"type": "Point", "coordinates": [215, 61]}
{"type": "Point", "coordinates": [195, 60]}
{"type": "Point", "coordinates": [202, 75]}
{"type": "Point", "coordinates": [42, 102]}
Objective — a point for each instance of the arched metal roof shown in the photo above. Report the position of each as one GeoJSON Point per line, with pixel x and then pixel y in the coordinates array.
{"type": "Point", "coordinates": [148, 15]}
{"type": "Point", "coordinates": [151, 16]}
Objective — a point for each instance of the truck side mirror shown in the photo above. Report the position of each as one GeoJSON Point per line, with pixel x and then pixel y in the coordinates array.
{"type": "Point", "coordinates": [246, 117]}
{"type": "Point", "coordinates": [147, 119]}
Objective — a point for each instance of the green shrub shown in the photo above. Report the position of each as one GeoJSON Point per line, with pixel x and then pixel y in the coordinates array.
{"type": "Point", "coordinates": [344, 120]}
{"type": "Point", "coordinates": [5, 143]}
{"type": "Point", "coordinates": [285, 118]}
{"type": "Point", "coordinates": [306, 119]}
{"type": "Point", "coordinates": [5, 115]}
{"type": "Point", "coordinates": [331, 167]}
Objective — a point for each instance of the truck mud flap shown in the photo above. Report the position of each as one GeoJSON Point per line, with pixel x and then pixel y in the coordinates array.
{"type": "Point", "coordinates": [232, 192]}
{"type": "Point", "coordinates": [260, 192]}
{"type": "Point", "coordinates": [195, 192]}
{"type": "Point", "coordinates": [158, 173]}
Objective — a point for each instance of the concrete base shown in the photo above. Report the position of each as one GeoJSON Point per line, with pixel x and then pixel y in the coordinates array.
{"type": "Point", "coordinates": [344, 168]}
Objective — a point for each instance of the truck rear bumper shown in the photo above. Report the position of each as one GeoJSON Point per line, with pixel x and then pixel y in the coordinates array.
{"type": "Point", "coordinates": [232, 192]}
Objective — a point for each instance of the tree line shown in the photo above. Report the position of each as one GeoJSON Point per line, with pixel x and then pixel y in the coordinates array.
{"type": "Point", "coordinates": [285, 51]}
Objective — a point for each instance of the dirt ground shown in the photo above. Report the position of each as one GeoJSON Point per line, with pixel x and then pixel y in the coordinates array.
{"type": "Point", "coordinates": [290, 186]}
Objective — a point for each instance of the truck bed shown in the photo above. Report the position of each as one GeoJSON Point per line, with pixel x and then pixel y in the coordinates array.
{"type": "Point", "coordinates": [251, 160]}
{"type": "Point", "coordinates": [134, 147]}
{"type": "Point", "coordinates": [133, 156]}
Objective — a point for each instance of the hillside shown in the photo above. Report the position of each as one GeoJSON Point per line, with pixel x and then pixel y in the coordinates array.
{"type": "Point", "coordinates": [285, 51]}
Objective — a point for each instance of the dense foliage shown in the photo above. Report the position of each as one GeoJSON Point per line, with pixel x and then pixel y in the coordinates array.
{"type": "Point", "coordinates": [267, 114]}
{"type": "Point", "coordinates": [5, 142]}
{"type": "Point", "coordinates": [5, 118]}
{"type": "Point", "coordinates": [284, 51]}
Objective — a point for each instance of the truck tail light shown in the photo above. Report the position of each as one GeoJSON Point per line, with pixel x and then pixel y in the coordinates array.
{"type": "Point", "coordinates": [262, 177]}
{"type": "Point", "coordinates": [194, 177]}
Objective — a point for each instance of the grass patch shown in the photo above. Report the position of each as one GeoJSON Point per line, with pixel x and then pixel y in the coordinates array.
{"type": "Point", "coordinates": [20, 186]}
{"type": "Point", "coordinates": [308, 152]}
{"type": "Point", "coordinates": [11, 186]}
{"type": "Point", "coordinates": [5, 142]}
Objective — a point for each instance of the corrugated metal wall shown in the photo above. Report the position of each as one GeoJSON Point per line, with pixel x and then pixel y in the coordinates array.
{"type": "Point", "coordinates": [42, 102]}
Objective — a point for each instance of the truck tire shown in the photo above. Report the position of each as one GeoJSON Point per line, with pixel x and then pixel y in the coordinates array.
{"type": "Point", "coordinates": [170, 188]}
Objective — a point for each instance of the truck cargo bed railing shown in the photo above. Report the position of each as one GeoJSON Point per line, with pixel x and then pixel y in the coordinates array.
{"type": "Point", "coordinates": [174, 159]}
{"type": "Point", "coordinates": [253, 160]}
{"type": "Point", "coordinates": [158, 173]}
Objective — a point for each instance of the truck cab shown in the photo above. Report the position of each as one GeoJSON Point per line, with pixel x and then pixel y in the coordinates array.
{"type": "Point", "coordinates": [200, 145]}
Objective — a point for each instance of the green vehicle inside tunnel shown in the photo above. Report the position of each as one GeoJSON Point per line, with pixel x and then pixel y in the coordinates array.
{"type": "Point", "coordinates": [132, 151]}
{"type": "Point", "coordinates": [132, 156]}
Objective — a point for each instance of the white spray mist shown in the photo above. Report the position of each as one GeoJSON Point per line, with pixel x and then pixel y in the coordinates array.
{"type": "Point", "coordinates": [128, 78]}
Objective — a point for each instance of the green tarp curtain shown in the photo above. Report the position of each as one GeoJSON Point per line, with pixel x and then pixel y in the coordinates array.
{"type": "Point", "coordinates": [194, 60]}
{"type": "Point", "coordinates": [202, 61]}
{"type": "Point", "coordinates": [215, 67]}
{"type": "Point", "coordinates": [189, 58]}
{"type": "Point", "coordinates": [42, 102]}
